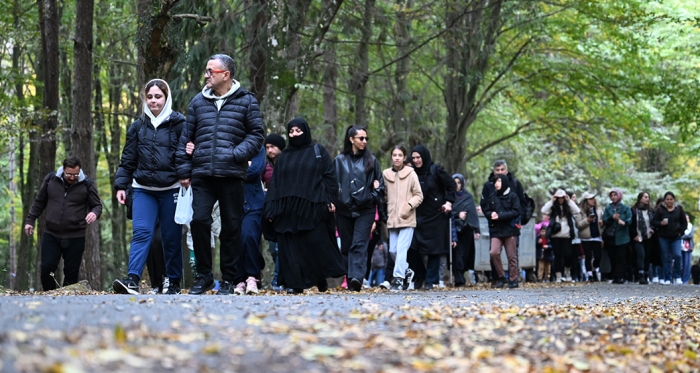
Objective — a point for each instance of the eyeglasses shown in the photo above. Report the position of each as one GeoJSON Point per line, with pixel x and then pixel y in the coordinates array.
{"type": "Point", "coordinates": [361, 138]}
{"type": "Point", "coordinates": [209, 72]}
{"type": "Point", "coordinates": [71, 175]}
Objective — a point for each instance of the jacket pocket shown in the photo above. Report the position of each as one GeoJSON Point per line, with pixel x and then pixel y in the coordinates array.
{"type": "Point", "coordinates": [405, 211]}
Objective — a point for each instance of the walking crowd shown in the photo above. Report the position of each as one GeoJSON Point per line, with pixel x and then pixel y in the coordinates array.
{"type": "Point", "coordinates": [326, 217]}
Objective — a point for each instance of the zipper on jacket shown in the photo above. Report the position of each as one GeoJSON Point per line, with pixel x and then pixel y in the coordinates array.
{"type": "Point", "coordinates": [216, 130]}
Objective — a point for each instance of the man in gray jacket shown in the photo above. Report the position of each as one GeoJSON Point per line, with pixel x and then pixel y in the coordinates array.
{"type": "Point", "coordinates": [225, 128]}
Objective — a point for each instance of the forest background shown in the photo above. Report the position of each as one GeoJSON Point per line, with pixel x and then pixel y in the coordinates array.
{"type": "Point", "coordinates": [584, 95]}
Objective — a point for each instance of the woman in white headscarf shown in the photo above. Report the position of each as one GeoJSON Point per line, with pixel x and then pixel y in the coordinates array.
{"type": "Point", "coordinates": [148, 165]}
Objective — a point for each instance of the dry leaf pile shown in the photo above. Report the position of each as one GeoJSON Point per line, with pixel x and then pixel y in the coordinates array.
{"type": "Point", "coordinates": [345, 333]}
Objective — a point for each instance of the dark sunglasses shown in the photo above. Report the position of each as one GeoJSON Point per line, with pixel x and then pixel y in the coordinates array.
{"type": "Point", "coordinates": [361, 138]}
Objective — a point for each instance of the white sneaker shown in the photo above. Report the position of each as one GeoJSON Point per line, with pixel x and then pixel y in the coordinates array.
{"type": "Point", "coordinates": [679, 281]}
{"type": "Point", "coordinates": [665, 282]}
{"type": "Point", "coordinates": [441, 284]}
{"type": "Point", "coordinates": [411, 286]}
{"type": "Point", "coordinates": [655, 280]}
{"type": "Point", "coordinates": [166, 285]}
{"type": "Point", "coordinates": [385, 285]}
{"type": "Point", "coordinates": [365, 284]}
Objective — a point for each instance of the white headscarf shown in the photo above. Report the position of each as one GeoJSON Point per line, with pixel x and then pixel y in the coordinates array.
{"type": "Point", "coordinates": [167, 109]}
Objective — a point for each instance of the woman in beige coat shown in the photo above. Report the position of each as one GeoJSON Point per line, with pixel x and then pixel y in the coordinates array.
{"type": "Point", "coordinates": [403, 197]}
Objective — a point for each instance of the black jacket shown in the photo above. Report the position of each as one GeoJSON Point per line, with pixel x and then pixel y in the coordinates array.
{"type": "Point", "coordinates": [515, 186]}
{"type": "Point", "coordinates": [224, 140]}
{"type": "Point", "coordinates": [66, 205]}
{"type": "Point", "coordinates": [149, 153]}
{"type": "Point", "coordinates": [677, 222]}
{"type": "Point", "coordinates": [356, 192]}
{"type": "Point", "coordinates": [432, 235]}
{"type": "Point", "coordinates": [507, 206]}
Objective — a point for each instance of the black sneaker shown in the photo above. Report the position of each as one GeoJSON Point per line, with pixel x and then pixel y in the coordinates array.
{"type": "Point", "coordinates": [129, 285]}
{"type": "Point", "coordinates": [397, 285]}
{"type": "Point", "coordinates": [322, 286]}
{"type": "Point", "coordinates": [501, 283]}
{"type": "Point", "coordinates": [165, 286]}
{"type": "Point", "coordinates": [428, 287]}
{"type": "Point", "coordinates": [202, 285]}
{"type": "Point", "coordinates": [355, 284]}
{"type": "Point", "coordinates": [512, 284]}
{"type": "Point", "coordinates": [173, 289]}
{"type": "Point", "coordinates": [225, 288]}
{"type": "Point", "coordinates": [408, 279]}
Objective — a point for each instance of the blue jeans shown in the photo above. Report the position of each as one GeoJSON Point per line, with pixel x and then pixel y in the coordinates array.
{"type": "Point", "coordinates": [376, 277]}
{"type": "Point", "coordinates": [273, 253]}
{"type": "Point", "coordinates": [670, 256]}
{"type": "Point", "coordinates": [149, 207]}
{"type": "Point", "coordinates": [251, 260]}
{"type": "Point", "coordinates": [685, 266]}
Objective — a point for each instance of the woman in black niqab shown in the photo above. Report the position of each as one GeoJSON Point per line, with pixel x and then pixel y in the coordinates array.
{"type": "Point", "coordinates": [299, 204]}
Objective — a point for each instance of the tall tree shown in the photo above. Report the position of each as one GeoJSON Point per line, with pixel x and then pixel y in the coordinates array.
{"type": "Point", "coordinates": [82, 140]}
{"type": "Point", "coordinates": [359, 73]}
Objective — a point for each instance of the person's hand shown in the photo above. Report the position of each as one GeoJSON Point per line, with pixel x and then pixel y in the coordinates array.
{"type": "Point", "coordinates": [567, 198]}
{"type": "Point", "coordinates": [590, 219]}
{"type": "Point", "coordinates": [375, 184]}
{"type": "Point", "coordinates": [374, 226]}
{"type": "Point", "coordinates": [637, 238]}
{"type": "Point", "coordinates": [651, 231]}
{"type": "Point", "coordinates": [454, 244]}
{"type": "Point", "coordinates": [616, 216]}
{"type": "Point", "coordinates": [664, 222]}
{"type": "Point", "coordinates": [447, 207]}
{"type": "Point", "coordinates": [185, 183]}
{"type": "Point", "coordinates": [331, 208]}
{"type": "Point", "coordinates": [478, 210]}
{"type": "Point", "coordinates": [463, 215]}
{"type": "Point", "coordinates": [90, 218]}
{"type": "Point", "coordinates": [494, 216]}
{"type": "Point", "coordinates": [189, 149]}
{"type": "Point", "coordinates": [554, 198]}
{"type": "Point", "coordinates": [621, 222]}
{"type": "Point", "coordinates": [477, 236]}
{"type": "Point", "coordinates": [121, 196]}
{"type": "Point", "coordinates": [28, 229]}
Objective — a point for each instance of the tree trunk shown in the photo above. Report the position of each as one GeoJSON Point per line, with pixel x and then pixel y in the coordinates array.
{"type": "Point", "coordinates": [360, 74]}
{"type": "Point", "coordinates": [83, 129]}
{"type": "Point", "coordinates": [469, 43]}
{"type": "Point", "coordinates": [13, 190]}
{"type": "Point", "coordinates": [258, 43]}
{"type": "Point", "coordinates": [330, 100]}
{"type": "Point", "coordinates": [47, 141]}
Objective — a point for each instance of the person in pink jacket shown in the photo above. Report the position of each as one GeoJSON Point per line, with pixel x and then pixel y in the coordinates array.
{"type": "Point", "coordinates": [404, 195]}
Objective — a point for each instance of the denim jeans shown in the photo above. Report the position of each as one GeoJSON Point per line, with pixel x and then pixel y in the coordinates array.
{"type": "Point", "coordinates": [150, 207]}
{"type": "Point", "coordinates": [671, 257]}
{"type": "Point", "coordinates": [376, 277]}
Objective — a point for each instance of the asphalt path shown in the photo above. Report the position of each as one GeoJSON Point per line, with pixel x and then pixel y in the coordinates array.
{"type": "Point", "coordinates": [232, 333]}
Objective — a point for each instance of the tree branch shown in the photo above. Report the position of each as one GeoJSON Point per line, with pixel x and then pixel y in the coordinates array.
{"type": "Point", "coordinates": [493, 143]}
{"type": "Point", "coordinates": [201, 20]}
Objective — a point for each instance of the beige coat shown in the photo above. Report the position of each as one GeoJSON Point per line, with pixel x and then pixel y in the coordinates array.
{"type": "Point", "coordinates": [403, 196]}
{"type": "Point", "coordinates": [584, 228]}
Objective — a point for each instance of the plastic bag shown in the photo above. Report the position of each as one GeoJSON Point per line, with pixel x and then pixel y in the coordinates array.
{"type": "Point", "coordinates": [183, 210]}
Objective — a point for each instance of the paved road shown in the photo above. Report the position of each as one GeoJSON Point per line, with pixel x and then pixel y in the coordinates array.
{"type": "Point", "coordinates": [268, 332]}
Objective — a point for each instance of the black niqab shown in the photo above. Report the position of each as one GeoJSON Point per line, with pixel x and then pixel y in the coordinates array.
{"type": "Point", "coordinates": [305, 138]}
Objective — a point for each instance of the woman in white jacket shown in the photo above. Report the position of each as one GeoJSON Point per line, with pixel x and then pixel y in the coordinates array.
{"type": "Point", "coordinates": [562, 211]}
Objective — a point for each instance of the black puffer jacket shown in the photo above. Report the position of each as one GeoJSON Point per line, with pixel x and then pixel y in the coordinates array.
{"type": "Point", "coordinates": [506, 205]}
{"type": "Point", "coordinates": [357, 193]}
{"type": "Point", "coordinates": [149, 153]}
{"type": "Point", "coordinates": [224, 140]}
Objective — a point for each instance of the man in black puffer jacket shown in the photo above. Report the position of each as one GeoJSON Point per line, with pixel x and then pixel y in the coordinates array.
{"type": "Point", "coordinates": [223, 132]}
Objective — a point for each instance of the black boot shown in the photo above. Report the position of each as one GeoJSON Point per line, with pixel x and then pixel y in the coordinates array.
{"type": "Point", "coordinates": [501, 283]}
{"type": "Point", "coordinates": [643, 278]}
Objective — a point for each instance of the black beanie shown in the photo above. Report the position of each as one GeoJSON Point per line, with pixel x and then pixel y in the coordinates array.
{"type": "Point", "coordinates": [275, 140]}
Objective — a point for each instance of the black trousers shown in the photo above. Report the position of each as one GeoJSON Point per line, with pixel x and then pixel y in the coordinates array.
{"type": "Point", "coordinates": [229, 192]}
{"type": "Point", "coordinates": [563, 251]}
{"type": "Point", "coordinates": [593, 251]}
{"type": "Point", "coordinates": [52, 249]}
{"type": "Point", "coordinates": [156, 260]}
{"type": "Point", "coordinates": [354, 239]}
{"type": "Point", "coordinates": [618, 259]}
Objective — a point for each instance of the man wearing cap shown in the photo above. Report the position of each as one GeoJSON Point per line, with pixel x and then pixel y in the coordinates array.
{"type": "Point", "coordinates": [274, 145]}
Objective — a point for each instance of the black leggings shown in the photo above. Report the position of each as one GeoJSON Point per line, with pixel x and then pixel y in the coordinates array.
{"type": "Point", "coordinates": [593, 251]}
{"type": "Point", "coordinates": [562, 254]}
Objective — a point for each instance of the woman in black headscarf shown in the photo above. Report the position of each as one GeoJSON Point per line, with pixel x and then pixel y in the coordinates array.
{"type": "Point", "coordinates": [465, 228]}
{"type": "Point", "coordinates": [300, 203]}
{"type": "Point", "coordinates": [501, 208]}
{"type": "Point", "coordinates": [432, 236]}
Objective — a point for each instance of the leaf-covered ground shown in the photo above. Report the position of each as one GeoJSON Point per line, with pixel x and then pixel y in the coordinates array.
{"type": "Point", "coordinates": [569, 328]}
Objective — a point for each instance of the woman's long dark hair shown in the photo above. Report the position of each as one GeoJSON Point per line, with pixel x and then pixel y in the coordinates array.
{"type": "Point", "coordinates": [347, 147]}
{"type": "Point", "coordinates": [561, 208]}
{"type": "Point", "coordinates": [638, 204]}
